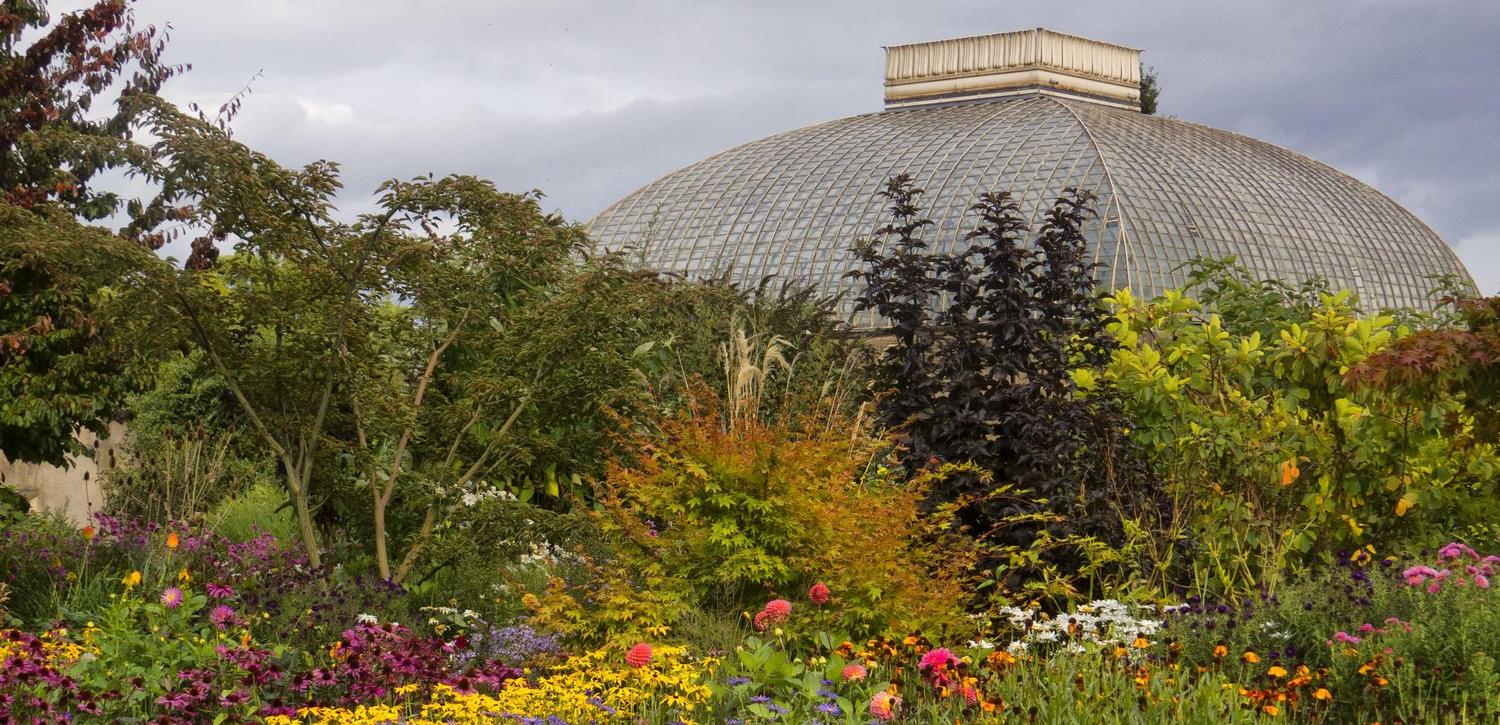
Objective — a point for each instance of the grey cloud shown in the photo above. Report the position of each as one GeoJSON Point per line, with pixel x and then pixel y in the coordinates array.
{"type": "Point", "coordinates": [589, 100]}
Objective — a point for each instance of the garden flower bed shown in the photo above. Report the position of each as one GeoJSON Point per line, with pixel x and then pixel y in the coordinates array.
{"type": "Point", "coordinates": [179, 639]}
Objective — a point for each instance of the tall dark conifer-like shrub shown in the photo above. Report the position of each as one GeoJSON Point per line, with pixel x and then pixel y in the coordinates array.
{"type": "Point", "coordinates": [985, 340]}
{"type": "Point", "coordinates": [899, 285]}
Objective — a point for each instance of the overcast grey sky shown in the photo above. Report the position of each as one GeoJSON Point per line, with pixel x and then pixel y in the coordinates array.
{"type": "Point", "coordinates": [589, 99]}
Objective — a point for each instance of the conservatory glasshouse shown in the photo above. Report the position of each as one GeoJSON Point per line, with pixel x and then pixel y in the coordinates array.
{"type": "Point", "coordinates": [1030, 112]}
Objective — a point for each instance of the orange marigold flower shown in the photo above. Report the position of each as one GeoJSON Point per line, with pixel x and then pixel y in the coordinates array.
{"type": "Point", "coordinates": [1250, 657]}
{"type": "Point", "coordinates": [1272, 710]}
{"type": "Point", "coordinates": [1141, 643]}
{"type": "Point", "coordinates": [1220, 651]}
{"type": "Point", "coordinates": [88, 533]}
{"type": "Point", "coordinates": [172, 541]}
{"type": "Point", "coordinates": [1277, 671]}
{"type": "Point", "coordinates": [1322, 693]}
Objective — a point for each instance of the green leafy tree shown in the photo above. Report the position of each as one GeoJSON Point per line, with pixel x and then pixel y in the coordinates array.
{"type": "Point", "coordinates": [51, 77]}
{"type": "Point", "coordinates": [68, 354]}
{"type": "Point", "coordinates": [64, 364]}
{"type": "Point", "coordinates": [416, 353]}
{"type": "Point", "coordinates": [1150, 90]}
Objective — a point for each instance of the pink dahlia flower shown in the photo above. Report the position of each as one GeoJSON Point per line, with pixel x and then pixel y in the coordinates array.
{"type": "Point", "coordinates": [939, 658]}
{"type": "Point", "coordinates": [855, 672]}
{"type": "Point", "coordinates": [818, 594]}
{"type": "Point", "coordinates": [639, 655]}
{"type": "Point", "coordinates": [778, 609]}
{"type": "Point", "coordinates": [884, 705]}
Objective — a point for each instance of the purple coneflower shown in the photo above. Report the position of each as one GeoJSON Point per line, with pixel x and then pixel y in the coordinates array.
{"type": "Point", "coordinates": [222, 616]}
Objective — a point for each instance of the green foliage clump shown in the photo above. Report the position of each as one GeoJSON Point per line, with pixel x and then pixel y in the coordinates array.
{"type": "Point", "coordinates": [185, 451]}
{"type": "Point", "coordinates": [260, 509]}
{"type": "Point", "coordinates": [68, 353]}
{"type": "Point", "coordinates": [1270, 455]}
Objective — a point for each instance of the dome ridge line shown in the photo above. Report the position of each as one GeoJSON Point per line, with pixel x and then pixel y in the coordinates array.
{"type": "Point", "coordinates": [1125, 240]}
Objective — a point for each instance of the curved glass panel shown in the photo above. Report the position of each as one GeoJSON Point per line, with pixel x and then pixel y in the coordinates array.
{"type": "Point", "coordinates": [791, 205]}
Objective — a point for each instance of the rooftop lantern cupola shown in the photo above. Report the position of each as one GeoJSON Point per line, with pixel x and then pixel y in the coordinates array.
{"type": "Point", "coordinates": [1002, 65]}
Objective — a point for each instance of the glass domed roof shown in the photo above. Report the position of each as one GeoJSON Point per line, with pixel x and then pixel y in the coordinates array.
{"type": "Point", "coordinates": [792, 205]}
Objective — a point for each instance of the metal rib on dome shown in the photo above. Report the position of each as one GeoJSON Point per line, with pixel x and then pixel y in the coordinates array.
{"type": "Point", "coordinates": [791, 205]}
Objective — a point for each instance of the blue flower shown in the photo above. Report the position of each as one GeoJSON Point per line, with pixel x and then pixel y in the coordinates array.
{"type": "Point", "coordinates": [830, 708]}
{"type": "Point", "coordinates": [737, 681]}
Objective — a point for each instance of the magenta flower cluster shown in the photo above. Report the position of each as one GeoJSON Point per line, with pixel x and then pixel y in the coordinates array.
{"type": "Point", "coordinates": [26, 669]}
{"type": "Point", "coordinates": [1457, 565]}
{"type": "Point", "coordinates": [372, 660]}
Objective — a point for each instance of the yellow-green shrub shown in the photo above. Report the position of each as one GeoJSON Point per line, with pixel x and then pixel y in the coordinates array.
{"type": "Point", "coordinates": [1269, 452]}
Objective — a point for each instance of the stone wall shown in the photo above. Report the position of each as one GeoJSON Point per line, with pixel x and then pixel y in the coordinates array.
{"type": "Point", "coordinates": [72, 490]}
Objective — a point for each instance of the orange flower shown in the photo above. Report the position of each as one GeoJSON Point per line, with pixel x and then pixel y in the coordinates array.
{"type": "Point", "coordinates": [1289, 471]}
{"type": "Point", "coordinates": [1001, 658]}
{"type": "Point", "coordinates": [1140, 643]}
{"type": "Point", "coordinates": [1277, 671]}
{"type": "Point", "coordinates": [1272, 710]}
{"type": "Point", "coordinates": [88, 533]}
{"type": "Point", "coordinates": [1322, 693]}
{"type": "Point", "coordinates": [172, 541]}
{"type": "Point", "coordinates": [1220, 651]}
{"type": "Point", "coordinates": [1250, 657]}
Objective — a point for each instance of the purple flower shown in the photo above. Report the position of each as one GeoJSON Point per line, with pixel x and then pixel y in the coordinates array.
{"type": "Point", "coordinates": [222, 616]}
{"type": "Point", "coordinates": [171, 597]}
{"type": "Point", "coordinates": [219, 591]}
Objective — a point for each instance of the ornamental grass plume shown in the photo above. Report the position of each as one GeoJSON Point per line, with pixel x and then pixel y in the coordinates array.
{"type": "Point", "coordinates": [639, 655]}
